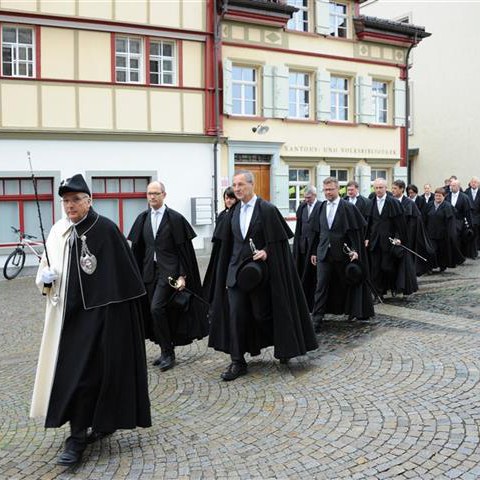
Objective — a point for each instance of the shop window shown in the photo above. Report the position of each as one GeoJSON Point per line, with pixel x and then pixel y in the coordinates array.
{"type": "Point", "coordinates": [18, 207]}
{"type": "Point", "coordinates": [120, 199]}
{"type": "Point", "coordinates": [298, 181]}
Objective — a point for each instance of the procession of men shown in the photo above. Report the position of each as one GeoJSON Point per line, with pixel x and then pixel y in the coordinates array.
{"type": "Point", "coordinates": [105, 296]}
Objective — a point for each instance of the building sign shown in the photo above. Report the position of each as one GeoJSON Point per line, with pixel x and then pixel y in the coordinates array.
{"type": "Point", "coordinates": [338, 151]}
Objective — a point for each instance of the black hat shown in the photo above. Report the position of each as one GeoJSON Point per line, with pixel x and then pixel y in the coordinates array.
{"type": "Point", "coordinates": [354, 273]}
{"type": "Point", "coordinates": [251, 274]}
{"type": "Point", "coordinates": [74, 184]}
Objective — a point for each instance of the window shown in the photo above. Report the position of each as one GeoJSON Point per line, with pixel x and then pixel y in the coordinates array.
{"type": "Point", "coordinates": [120, 199]}
{"type": "Point", "coordinates": [339, 98]}
{"type": "Point", "coordinates": [299, 95]}
{"type": "Point", "coordinates": [252, 158]}
{"type": "Point", "coordinates": [338, 20]}
{"type": "Point", "coordinates": [380, 101]}
{"type": "Point", "coordinates": [18, 52]}
{"type": "Point", "coordinates": [162, 63]}
{"type": "Point", "coordinates": [299, 20]}
{"type": "Point", "coordinates": [244, 86]}
{"type": "Point", "coordinates": [377, 174]}
{"type": "Point", "coordinates": [19, 209]}
{"type": "Point", "coordinates": [128, 59]}
{"type": "Point", "coordinates": [298, 180]}
{"type": "Point", "coordinates": [342, 176]}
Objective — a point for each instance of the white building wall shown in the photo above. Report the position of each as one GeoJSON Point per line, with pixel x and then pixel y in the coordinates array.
{"type": "Point", "coordinates": [446, 104]}
{"type": "Point", "coordinates": [186, 169]}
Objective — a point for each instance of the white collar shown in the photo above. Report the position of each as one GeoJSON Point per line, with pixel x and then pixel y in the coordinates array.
{"type": "Point", "coordinates": [381, 198]}
{"type": "Point", "coordinates": [251, 202]}
{"type": "Point", "coordinates": [161, 210]}
{"type": "Point", "coordinates": [334, 202]}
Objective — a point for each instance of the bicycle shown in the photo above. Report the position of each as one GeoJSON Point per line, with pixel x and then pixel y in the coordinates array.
{"type": "Point", "coordinates": [16, 260]}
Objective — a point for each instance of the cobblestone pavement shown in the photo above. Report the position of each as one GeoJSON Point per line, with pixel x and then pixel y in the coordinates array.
{"type": "Point", "coordinates": [394, 397]}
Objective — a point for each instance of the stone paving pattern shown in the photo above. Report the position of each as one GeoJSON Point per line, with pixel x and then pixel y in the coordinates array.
{"type": "Point", "coordinates": [394, 397]}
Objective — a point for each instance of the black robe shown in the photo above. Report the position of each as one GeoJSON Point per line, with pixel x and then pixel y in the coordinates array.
{"type": "Point", "coordinates": [343, 297]}
{"type": "Point", "coordinates": [101, 375]}
{"type": "Point", "coordinates": [184, 326]}
{"type": "Point", "coordinates": [301, 248]}
{"type": "Point", "coordinates": [442, 231]}
{"type": "Point", "coordinates": [292, 333]}
{"type": "Point", "coordinates": [417, 237]}
{"type": "Point", "coordinates": [475, 214]}
{"type": "Point", "coordinates": [463, 219]}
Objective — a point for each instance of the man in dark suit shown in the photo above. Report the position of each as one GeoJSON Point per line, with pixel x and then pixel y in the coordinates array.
{"type": "Point", "coordinates": [474, 197]}
{"type": "Point", "coordinates": [354, 197]}
{"type": "Point", "coordinates": [162, 244]}
{"type": "Point", "coordinates": [306, 271]}
{"type": "Point", "coordinates": [264, 309]}
{"type": "Point", "coordinates": [427, 193]}
{"type": "Point", "coordinates": [420, 202]}
{"type": "Point", "coordinates": [463, 216]}
{"type": "Point", "coordinates": [337, 223]}
{"type": "Point", "coordinates": [386, 220]}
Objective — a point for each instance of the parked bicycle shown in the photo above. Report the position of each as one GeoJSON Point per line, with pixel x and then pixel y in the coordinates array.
{"type": "Point", "coordinates": [16, 260]}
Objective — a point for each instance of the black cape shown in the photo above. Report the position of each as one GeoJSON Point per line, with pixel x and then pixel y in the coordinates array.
{"type": "Point", "coordinates": [184, 326]}
{"type": "Point", "coordinates": [306, 271]}
{"type": "Point", "coordinates": [293, 333]}
{"type": "Point", "coordinates": [101, 375]}
{"type": "Point", "coordinates": [344, 298]}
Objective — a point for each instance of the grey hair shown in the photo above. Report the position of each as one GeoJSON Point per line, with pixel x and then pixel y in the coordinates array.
{"type": "Point", "coordinates": [310, 190]}
{"type": "Point", "coordinates": [331, 180]}
{"type": "Point", "coordinates": [383, 180]}
{"type": "Point", "coordinates": [247, 174]}
{"type": "Point", "coordinates": [162, 186]}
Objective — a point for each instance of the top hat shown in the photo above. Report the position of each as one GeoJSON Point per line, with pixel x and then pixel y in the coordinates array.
{"type": "Point", "coordinates": [354, 273]}
{"type": "Point", "coordinates": [251, 274]}
{"type": "Point", "coordinates": [76, 184]}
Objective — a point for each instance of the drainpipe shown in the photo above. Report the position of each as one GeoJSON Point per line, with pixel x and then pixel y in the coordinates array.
{"type": "Point", "coordinates": [407, 110]}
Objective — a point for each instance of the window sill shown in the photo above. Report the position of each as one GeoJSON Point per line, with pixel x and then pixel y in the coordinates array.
{"type": "Point", "coordinates": [381, 125]}
{"type": "Point", "coordinates": [299, 120]}
{"type": "Point", "coordinates": [301, 32]}
{"type": "Point", "coordinates": [341, 124]}
{"type": "Point", "coordinates": [234, 116]}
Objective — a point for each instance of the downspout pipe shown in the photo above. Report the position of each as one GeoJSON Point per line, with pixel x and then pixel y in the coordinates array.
{"type": "Point", "coordinates": [216, 40]}
{"type": "Point", "coordinates": [407, 110]}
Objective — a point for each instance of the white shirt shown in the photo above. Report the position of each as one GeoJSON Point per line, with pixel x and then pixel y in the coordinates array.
{"type": "Point", "coordinates": [427, 197]}
{"type": "Point", "coordinates": [246, 215]}
{"type": "Point", "coordinates": [454, 198]}
{"type": "Point", "coordinates": [332, 210]}
{"type": "Point", "coordinates": [474, 193]}
{"type": "Point", "coordinates": [156, 217]}
{"type": "Point", "coordinates": [381, 203]}
{"type": "Point", "coordinates": [310, 207]}
{"type": "Point", "coordinates": [353, 199]}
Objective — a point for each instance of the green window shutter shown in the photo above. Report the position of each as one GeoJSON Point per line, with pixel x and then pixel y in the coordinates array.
{"type": "Point", "coordinates": [279, 190]}
{"type": "Point", "coordinates": [280, 91]}
{"type": "Point", "coordinates": [323, 95]}
{"type": "Point", "coordinates": [322, 17]}
{"type": "Point", "coordinates": [364, 100]}
{"type": "Point", "coordinates": [227, 87]}
{"type": "Point", "coordinates": [268, 94]}
{"type": "Point", "coordinates": [400, 98]}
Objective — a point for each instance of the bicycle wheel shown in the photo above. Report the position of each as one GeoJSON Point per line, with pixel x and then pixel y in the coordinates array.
{"type": "Point", "coordinates": [14, 264]}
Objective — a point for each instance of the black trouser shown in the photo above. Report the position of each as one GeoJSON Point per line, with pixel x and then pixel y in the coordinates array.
{"type": "Point", "coordinates": [328, 271]}
{"type": "Point", "coordinates": [250, 321]}
{"type": "Point", "coordinates": [159, 293]}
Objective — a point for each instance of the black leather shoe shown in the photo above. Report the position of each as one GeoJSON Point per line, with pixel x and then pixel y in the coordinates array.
{"type": "Point", "coordinates": [157, 361]}
{"type": "Point", "coordinates": [167, 363]}
{"type": "Point", "coordinates": [234, 371]}
{"type": "Point", "coordinates": [72, 454]}
{"type": "Point", "coordinates": [317, 323]}
{"type": "Point", "coordinates": [95, 436]}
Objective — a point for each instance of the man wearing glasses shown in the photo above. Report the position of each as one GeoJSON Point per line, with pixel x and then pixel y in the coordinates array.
{"type": "Point", "coordinates": [92, 366]}
{"type": "Point", "coordinates": [162, 245]}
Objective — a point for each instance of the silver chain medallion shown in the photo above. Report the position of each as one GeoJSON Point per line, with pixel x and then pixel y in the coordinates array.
{"type": "Point", "coordinates": [88, 261]}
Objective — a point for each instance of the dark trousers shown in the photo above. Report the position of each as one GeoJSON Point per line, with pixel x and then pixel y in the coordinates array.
{"type": "Point", "coordinates": [329, 272]}
{"type": "Point", "coordinates": [159, 293]}
{"type": "Point", "coordinates": [250, 319]}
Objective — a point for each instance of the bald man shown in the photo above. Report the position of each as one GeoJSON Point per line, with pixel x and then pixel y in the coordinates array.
{"type": "Point", "coordinates": [162, 245]}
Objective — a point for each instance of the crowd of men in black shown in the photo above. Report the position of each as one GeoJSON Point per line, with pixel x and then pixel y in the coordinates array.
{"type": "Point", "coordinates": [105, 296]}
{"type": "Point", "coordinates": [403, 236]}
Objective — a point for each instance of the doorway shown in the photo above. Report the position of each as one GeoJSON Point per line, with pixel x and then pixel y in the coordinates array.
{"type": "Point", "coordinates": [261, 174]}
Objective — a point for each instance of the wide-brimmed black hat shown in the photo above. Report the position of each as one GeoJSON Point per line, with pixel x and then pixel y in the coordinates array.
{"type": "Point", "coordinates": [74, 184]}
{"type": "Point", "coordinates": [354, 274]}
{"type": "Point", "coordinates": [251, 274]}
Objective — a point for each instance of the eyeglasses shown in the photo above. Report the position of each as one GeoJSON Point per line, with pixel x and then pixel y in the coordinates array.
{"type": "Point", "coordinates": [155, 194]}
{"type": "Point", "coordinates": [73, 201]}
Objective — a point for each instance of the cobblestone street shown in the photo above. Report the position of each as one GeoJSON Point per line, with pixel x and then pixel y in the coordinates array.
{"type": "Point", "coordinates": [394, 397]}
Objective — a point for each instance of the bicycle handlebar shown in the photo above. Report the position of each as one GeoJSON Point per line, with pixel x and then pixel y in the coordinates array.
{"type": "Point", "coordinates": [22, 235]}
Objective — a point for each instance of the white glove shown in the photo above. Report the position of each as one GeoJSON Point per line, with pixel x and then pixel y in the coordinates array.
{"type": "Point", "coordinates": [49, 275]}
